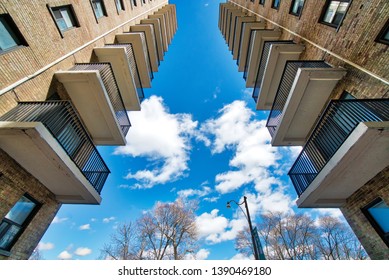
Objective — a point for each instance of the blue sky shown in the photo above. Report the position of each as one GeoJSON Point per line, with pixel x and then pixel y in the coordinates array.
{"type": "Point", "coordinates": [198, 136]}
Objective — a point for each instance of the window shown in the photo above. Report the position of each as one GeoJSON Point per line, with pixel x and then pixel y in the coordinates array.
{"type": "Point", "coordinates": [98, 8]}
{"type": "Point", "coordinates": [119, 5]}
{"type": "Point", "coordinates": [10, 37]}
{"type": "Point", "coordinates": [16, 221]}
{"type": "Point", "coordinates": [377, 213]}
{"type": "Point", "coordinates": [276, 4]}
{"type": "Point", "coordinates": [383, 36]}
{"type": "Point", "coordinates": [262, 2]}
{"type": "Point", "coordinates": [64, 17]}
{"type": "Point", "coordinates": [334, 12]}
{"type": "Point", "coordinates": [296, 7]}
{"type": "Point", "coordinates": [134, 1]}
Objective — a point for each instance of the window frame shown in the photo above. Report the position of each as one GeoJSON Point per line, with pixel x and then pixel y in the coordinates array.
{"type": "Point", "coordinates": [274, 6]}
{"type": "Point", "coordinates": [14, 32]}
{"type": "Point", "coordinates": [22, 226]}
{"type": "Point", "coordinates": [325, 9]}
{"type": "Point", "coordinates": [380, 36]}
{"type": "Point", "coordinates": [123, 8]}
{"type": "Point", "coordinates": [72, 16]}
{"type": "Point", "coordinates": [291, 9]}
{"type": "Point", "coordinates": [104, 10]}
{"type": "Point", "coordinates": [365, 210]}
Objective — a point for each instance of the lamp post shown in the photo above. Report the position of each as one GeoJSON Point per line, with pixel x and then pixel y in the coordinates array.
{"type": "Point", "coordinates": [256, 255]}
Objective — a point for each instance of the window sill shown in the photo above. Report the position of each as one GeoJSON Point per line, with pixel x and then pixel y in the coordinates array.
{"type": "Point", "coordinates": [5, 253]}
{"type": "Point", "coordinates": [12, 49]}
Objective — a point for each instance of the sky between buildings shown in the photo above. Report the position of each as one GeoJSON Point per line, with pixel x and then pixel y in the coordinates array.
{"type": "Point", "coordinates": [197, 136]}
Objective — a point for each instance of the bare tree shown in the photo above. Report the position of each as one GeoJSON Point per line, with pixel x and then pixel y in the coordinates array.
{"type": "Point", "coordinates": [298, 237]}
{"type": "Point", "coordinates": [168, 231]}
{"type": "Point", "coordinates": [243, 242]}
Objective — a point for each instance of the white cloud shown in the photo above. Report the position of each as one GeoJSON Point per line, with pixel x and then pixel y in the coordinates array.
{"type": "Point", "coordinates": [58, 220]}
{"type": "Point", "coordinates": [107, 220]}
{"type": "Point", "coordinates": [202, 254]}
{"type": "Point", "coordinates": [163, 139]}
{"type": "Point", "coordinates": [206, 4]}
{"type": "Point", "coordinates": [82, 251]}
{"type": "Point", "coordinates": [45, 246]}
{"type": "Point", "coordinates": [240, 256]}
{"type": "Point", "coordinates": [195, 192]}
{"type": "Point", "coordinates": [85, 227]}
{"type": "Point", "coordinates": [64, 255]}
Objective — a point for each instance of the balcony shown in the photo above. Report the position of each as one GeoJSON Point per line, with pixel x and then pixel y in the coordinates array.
{"type": "Point", "coordinates": [171, 12]}
{"type": "Point", "coordinates": [233, 19]}
{"type": "Point", "coordinates": [247, 30]}
{"type": "Point", "coordinates": [138, 43]}
{"type": "Point", "coordinates": [95, 94]}
{"type": "Point", "coordinates": [164, 31]}
{"type": "Point", "coordinates": [49, 141]}
{"type": "Point", "coordinates": [151, 44]}
{"type": "Point", "coordinates": [302, 95]}
{"type": "Point", "coordinates": [222, 13]}
{"type": "Point", "coordinates": [158, 35]}
{"type": "Point", "coordinates": [226, 14]}
{"type": "Point", "coordinates": [230, 14]}
{"type": "Point", "coordinates": [238, 33]}
{"type": "Point", "coordinates": [122, 60]}
{"type": "Point", "coordinates": [167, 20]}
{"type": "Point", "coordinates": [256, 44]}
{"type": "Point", "coordinates": [271, 66]}
{"type": "Point", "coordinates": [347, 148]}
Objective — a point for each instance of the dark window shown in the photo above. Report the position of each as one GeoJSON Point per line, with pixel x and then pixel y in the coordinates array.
{"type": "Point", "coordinates": [262, 2]}
{"type": "Point", "coordinates": [383, 36]}
{"type": "Point", "coordinates": [119, 5]}
{"type": "Point", "coordinates": [297, 7]}
{"type": "Point", "coordinates": [134, 1]}
{"type": "Point", "coordinates": [334, 12]}
{"type": "Point", "coordinates": [16, 221]}
{"type": "Point", "coordinates": [276, 4]}
{"type": "Point", "coordinates": [346, 95]}
{"type": "Point", "coordinates": [377, 213]}
{"type": "Point", "coordinates": [98, 8]}
{"type": "Point", "coordinates": [64, 17]}
{"type": "Point", "coordinates": [10, 37]}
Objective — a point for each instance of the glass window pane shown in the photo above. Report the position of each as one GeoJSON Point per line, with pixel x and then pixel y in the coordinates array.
{"type": "Point", "coordinates": [8, 237]}
{"type": "Point", "coordinates": [380, 213]}
{"type": "Point", "coordinates": [7, 38]}
{"type": "Point", "coordinates": [297, 6]}
{"type": "Point", "coordinates": [19, 213]}
{"type": "Point", "coordinates": [60, 20]}
{"type": "Point", "coordinates": [386, 35]}
{"type": "Point", "coordinates": [98, 7]}
{"type": "Point", "coordinates": [331, 10]}
{"type": "Point", "coordinates": [66, 16]}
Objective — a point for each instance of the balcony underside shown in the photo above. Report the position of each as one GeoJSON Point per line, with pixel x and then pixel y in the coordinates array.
{"type": "Point", "coordinates": [308, 96]}
{"type": "Point", "coordinates": [231, 37]}
{"type": "Point", "coordinates": [164, 31]}
{"type": "Point", "coordinates": [148, 30]}
{"type": "Point", "coordinates": [230, 15]}
{"type": "Point", "coordinates": [238, 32]}
{"type": "Point", "coordinates": [158, 34]}
{"type": "Point", "coordinates": [274, 67]}
{"type": "Point", "coordinates": [167, 20]}
{"type": "Point", "coordinates": [141, 57]}
{"type": "Point", "coordinates": [118, 59]}
{"type": "Point", "coordinates": [89, 96]}
{"type": "Point", "coordinates": [245, 41]}
{"type": "Point", "coordinates": [362, 156]}
{"type": "Point", "coordinates": [255, 51]}
{"type": "Point", "coordinates": [38, 152]}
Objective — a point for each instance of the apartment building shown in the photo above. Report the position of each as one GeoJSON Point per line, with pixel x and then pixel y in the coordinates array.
{"type": "Point", "coordinates": [69, 72]}
{"type": "Point", "coordinates": [321, 70]}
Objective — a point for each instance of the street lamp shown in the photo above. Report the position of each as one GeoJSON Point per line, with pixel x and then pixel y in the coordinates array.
{"type": "Point", "coordinates": [256, 253]}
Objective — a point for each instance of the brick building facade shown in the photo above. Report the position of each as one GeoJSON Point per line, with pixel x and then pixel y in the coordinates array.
{"type": "Point", "coordinates": [46, 163]}
{"type": "Point", "coordinates": [349, 36]}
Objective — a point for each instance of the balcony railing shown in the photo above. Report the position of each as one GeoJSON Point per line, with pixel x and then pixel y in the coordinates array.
{"type": "Point", "coordinates": [133, 67]}
{"type": "Point", "coordinates": [262, 66]}
{"type": "Point", "coordinates": [112, 90]}
{"type": "Point", "coordinates": [335, 125]}
{"type": "Point", "coordinates": [284, 88]}
{"type": "Point", "coordinates": [63, 122]}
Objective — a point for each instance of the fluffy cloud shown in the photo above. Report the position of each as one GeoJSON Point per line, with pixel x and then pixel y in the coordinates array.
{"type": "Point", "coordinates": [107, 220]}
{"type": "Point", "coordinates": [45, 246]}
{"type": "Point", "coordinates": [195, 192]}
{"type": "Point", "coordinates": [202, 254]}
{"type": "Point", "coordinates": [85, 227]}
{"type": "Point", "coordinates": [64, 255]}
{"type": "Point", "coordinates": [82, 251]}
{"type": "Point", "coordinates": [160, 137]}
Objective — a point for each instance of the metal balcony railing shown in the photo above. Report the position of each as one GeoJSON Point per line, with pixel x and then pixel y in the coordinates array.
{"type": "Point", "coordinates": [262, 66]}
{"type": "Point", "coordinates": [63, 122]}
{"type": "Point", "coordinates": [284, 88]}
{"type": "Point", "coordinates": [335, 125]}
{"type": "Point", "coordinates": [112, 89]}
{"type": "Point", "coordinates": [133, 67]}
